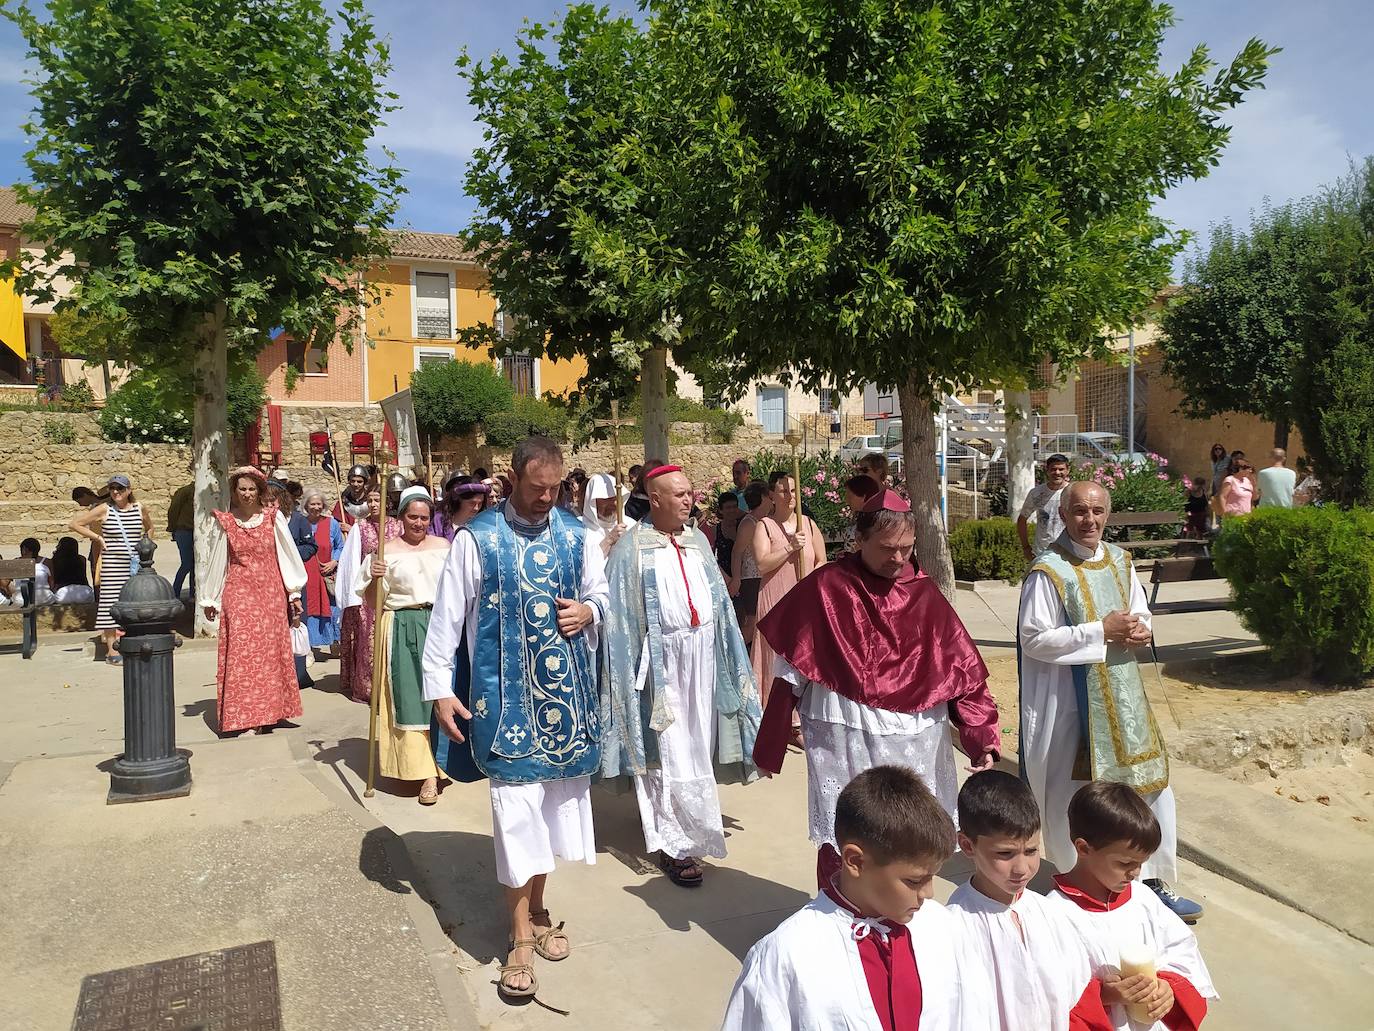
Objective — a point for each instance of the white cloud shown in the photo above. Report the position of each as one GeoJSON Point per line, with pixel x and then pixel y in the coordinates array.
{"type": "Point", "coordinates": [1280, 150]}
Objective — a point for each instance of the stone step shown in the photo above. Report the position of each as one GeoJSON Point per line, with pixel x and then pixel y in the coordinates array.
{"type": "Point", "coordinates": [46, 530]}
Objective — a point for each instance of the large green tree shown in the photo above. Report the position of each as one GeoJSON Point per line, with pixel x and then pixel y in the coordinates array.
{"type": "Point", "coordinates": [203, 164]}
{"type": "Point", "coordinates": [1232, 340]}
{"type": "Point", "coordinates": [926, 195]}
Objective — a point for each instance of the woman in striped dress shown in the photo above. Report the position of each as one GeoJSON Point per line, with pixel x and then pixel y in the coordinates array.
{"type": "Point", "coordinates": [117, 526]}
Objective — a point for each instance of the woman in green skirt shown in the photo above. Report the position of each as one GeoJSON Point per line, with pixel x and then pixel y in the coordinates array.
{"type": "Point", "coordinates": [409, 576]}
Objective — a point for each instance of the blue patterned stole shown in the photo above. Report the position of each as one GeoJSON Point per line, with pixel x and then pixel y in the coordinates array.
{"type": "Point", "coordinates": [534, 692]}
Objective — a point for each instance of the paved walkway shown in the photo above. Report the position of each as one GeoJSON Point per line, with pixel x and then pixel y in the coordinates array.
{"type": "Point", "coordinates": [275, 842]}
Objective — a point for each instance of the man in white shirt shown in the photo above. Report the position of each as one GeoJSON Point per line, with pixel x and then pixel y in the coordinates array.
{"type": "Point", "coordinates": [1043, 503]}
{"type": "Point", "coordinates": [1084, 712]}
{"type": "Point", "coordinates": [1277, 483]}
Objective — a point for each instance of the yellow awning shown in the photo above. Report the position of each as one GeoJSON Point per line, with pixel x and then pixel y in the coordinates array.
{"type": "Point", "coordinates": [12, 318]}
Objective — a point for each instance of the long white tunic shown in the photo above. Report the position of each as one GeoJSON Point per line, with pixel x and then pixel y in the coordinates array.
{"type": "Point", "coordinates": [679, 803]}
{"type": "Point", "coordinates": [1050, 733]}
{"type": "Point", "coordinates": [1138, 918]}
{"type": "Point", "coordinates": [1038, 963]}
{"type": "Point", "coordinates": [346, 574]}
{"type": "Point", "coordinates": [288, 559]}
{"type": "Point", "coordinates": [844, 738]}
{"type": "Point", "coordinates": [532, 824]}
{"type": "Point", "coordinates": [807, 976]}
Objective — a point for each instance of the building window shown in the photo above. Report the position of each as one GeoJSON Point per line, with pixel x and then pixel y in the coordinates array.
{"type": "Point", "coordinates": [433, 313]}
{"type": "Point", "coordinates": [519, 370]}
{"type": "Point", "coordinates": [432, 356]}
{"type": "Point", "coordinates": [825, 400]}
{"type": "Point", "coordinates": [306, 357]}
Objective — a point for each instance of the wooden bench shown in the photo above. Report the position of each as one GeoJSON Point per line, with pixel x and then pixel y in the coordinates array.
{"type": "Point", "coordinates": [1190, 569]}
{"type": "Point", "coordinates": [1132, 520]}
{"type": "Point", "coordinates": [23, 570]}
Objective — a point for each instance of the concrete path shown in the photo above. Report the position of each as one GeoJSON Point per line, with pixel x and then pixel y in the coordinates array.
{"type": "Point", "coordinates": [275, 850]}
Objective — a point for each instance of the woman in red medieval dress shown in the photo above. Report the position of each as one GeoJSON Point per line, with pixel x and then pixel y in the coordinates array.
{"type": "Point", "coordinates": [254, 585]}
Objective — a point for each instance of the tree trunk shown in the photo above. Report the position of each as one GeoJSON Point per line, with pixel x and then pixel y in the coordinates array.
{"type": "Point", "coordinates": [209, 442]}
{"type": "Point", "coordinates": [1281, 432]}
{"type": "Point", "coordinates": [1020, 448]}
{"type": "Point", "coordinates": [653, 381]}
{"type": "Point", "coordinates": [922, 473]}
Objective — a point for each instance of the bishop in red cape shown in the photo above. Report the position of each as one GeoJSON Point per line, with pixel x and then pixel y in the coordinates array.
{"type": "Point", "coordinates": [880, 665]}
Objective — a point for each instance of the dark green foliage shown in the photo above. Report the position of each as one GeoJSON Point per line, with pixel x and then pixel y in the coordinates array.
{"type": "Point", "coordinates": [528, 415]}
{"type": "Point", "coordinates": [455, 397]}
{"type": "Point", "coordinates": [78, 395]}
{"type": "Point", "coordinates": [987, 549]}
{"type": "Point", "coordinates": [1303, 581]}
{"type": "Point", "coordinates": [152, 409]}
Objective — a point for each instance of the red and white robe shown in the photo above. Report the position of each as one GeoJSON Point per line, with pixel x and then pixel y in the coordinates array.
{"type": "Point", "coordinates": [1139, 916]}
{"type": "Point", "coordinates": [828, 969]}
{"type": "Point", "coordinates": [1042, 975]}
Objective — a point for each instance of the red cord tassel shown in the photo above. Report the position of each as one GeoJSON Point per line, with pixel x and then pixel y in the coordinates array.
{"type": "Point", "coordinates": [696, 620]}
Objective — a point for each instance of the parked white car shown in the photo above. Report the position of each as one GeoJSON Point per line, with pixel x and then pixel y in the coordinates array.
{"type": "Point", "coordinates": [856, 447]}
{"type": "Point", "coordinates": [1095, 447]}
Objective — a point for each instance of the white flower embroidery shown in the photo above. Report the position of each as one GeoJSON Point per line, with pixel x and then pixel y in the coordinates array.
{"type": "Point", "coordinates": [493, 599]}
{"type": "Point", "coordinates": [541, 556]}
{"type": "Point", "coordinates": [555, 717]}
{"type": "Point", "coordinates": [541, 610]}
{"type": "Point", "coordinates": [553, 663]}
{"type": "Point", "coordinates": [480, 708]}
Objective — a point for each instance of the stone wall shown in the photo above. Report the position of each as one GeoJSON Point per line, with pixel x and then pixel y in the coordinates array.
{"type": "Point", "coordinates": [299, 421]}
{"type": "Point", "coordinates": [32, 468]}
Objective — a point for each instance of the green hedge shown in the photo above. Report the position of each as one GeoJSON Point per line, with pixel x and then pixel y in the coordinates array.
{"type": "Point", "coordinates": [527, 415]}
{"type": "Point", "coordinates": [454, 397]}
{"type": "Point", "coordinates": [1303, 581]}
{"type": "Point", "coordinates": [987, 549]}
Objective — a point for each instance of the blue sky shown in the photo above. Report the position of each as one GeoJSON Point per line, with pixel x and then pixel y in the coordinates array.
{"type": "Point", "coordinates": [1288, 139]}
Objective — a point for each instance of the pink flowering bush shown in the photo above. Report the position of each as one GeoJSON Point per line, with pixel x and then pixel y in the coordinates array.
{"type": "Point", "coordinates": [822, 485]}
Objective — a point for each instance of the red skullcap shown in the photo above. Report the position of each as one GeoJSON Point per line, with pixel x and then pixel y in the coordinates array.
{"type": "Point", "coordinates": [887, 501]}
{"type": "Point", "coordinates": [662, 470]}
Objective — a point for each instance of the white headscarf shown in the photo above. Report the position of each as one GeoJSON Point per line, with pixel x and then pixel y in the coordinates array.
{"type": "Point", "coordinates": [601, 485]}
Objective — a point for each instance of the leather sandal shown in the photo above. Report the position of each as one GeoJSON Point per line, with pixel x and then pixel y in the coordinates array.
{"type": "Point", "coordinates": [509, 969]}
{"type": "Point", "coordinates": [676, 869]}
{"type": "Point", "coordinates": [550, 934]}
{"type": "Point", "coordinates": [428, 796]}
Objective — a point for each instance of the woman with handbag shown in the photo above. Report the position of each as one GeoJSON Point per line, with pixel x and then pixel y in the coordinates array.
{"type": "Point", "coordinates": [322, 611]}
{"type": "Point", "coordinates": [253, 585]}
{"type": "Point", "coordinates": [122, 522]}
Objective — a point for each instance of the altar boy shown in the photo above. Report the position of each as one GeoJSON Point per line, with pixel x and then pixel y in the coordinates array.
{"type": "Point", "coordinates": [872, 951]}
{"type": "Point", "coordinates": [1114, 832]}
{"type": "Point", "coordinates": [1040, 969]}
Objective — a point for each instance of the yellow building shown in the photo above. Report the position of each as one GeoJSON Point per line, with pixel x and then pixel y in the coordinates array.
{"type": "Point", "coordinates": [431, 287]}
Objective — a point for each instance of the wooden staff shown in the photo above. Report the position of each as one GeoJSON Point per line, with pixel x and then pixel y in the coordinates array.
{"type": "Point", "coordinates": [378, 668]}
{"type": "Point", "coordinates": [429, 465]}
{"type": "Point", "coordinates": [614, 422]}
{"type": "Point", "coordinates": [793, 438]}
{"type": "Point", "coordinates": [338, 480]}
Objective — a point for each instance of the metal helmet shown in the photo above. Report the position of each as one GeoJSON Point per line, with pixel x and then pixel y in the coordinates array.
{"type": "Point", "coordinates": [359, 470]}
{"type": "Point", "coordinates": [395, 483]}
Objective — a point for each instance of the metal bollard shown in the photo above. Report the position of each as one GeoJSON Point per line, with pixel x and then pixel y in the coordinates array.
{"type": "Point", "coordinates": [151, 767]}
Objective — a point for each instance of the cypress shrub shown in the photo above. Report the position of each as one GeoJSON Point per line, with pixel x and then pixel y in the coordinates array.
{"type": "Point", "coordinates": [1303, 581]}
{"type": "Point", "coordinates": [987, 549]}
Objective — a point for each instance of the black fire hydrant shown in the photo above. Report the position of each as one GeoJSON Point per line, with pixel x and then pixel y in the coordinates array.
{"type": "Point", "coordinates": [151, 767]}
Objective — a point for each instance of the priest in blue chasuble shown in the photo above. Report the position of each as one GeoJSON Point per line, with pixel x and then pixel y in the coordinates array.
{"type": "Point", "coordinates": [510, 664]}
{"type": "Point", "coordinates": [1084, 712]}
{"type": "Point", "coordinates": [681, 708]}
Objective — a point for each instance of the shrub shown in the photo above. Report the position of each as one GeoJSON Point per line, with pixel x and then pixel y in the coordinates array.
{"type": "Point", "coordinates": [244, 398]}
{"type": "Point", "coordinates": [987, 549]}
{"type": "Point", "coordinates": [78, 395]}
{"type": "Point", "coordinates": [140, 412]}
{"type": "Point", "coordinates": [59, 431]}
{"type": "Point", "coordinates": [1303, 581]}
{"type": "Point", "coordinates": [527, 415]}
{"type": "Point", "coordinates": [455, 397]}
{"type": "Point", "coordinates": [822, 485]}
{"type": "Point", "coordinates": [1140, 487]}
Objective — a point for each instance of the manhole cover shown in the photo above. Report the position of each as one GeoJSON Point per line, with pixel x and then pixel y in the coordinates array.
{"type": "Point", "coordinates": [225, 990]}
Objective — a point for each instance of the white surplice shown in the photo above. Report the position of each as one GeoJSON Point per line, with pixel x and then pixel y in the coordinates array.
{"type": "Point", "coordinates": [807, 976]}
{"type": "Point", "coordinates": [217, 570]}
{"type": "Point", "coordinates": [679, 803]}
{"type": "Point", "coordinates": [1050, 732]}
{"type": "Point", "coordinates": [844, 738]}
{"type": "Point", "coordinates": [1137, 918]}
{"type": "Point", "coordinates": [1038, 963]}
{"type": "Point", "coordinates": [347, 571]}
{"type": "Point", "coordinates": [532, 824]}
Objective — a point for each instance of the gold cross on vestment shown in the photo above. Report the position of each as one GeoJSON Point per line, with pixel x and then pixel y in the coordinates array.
{"type": "Point", "coordinates": [615, 422]}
